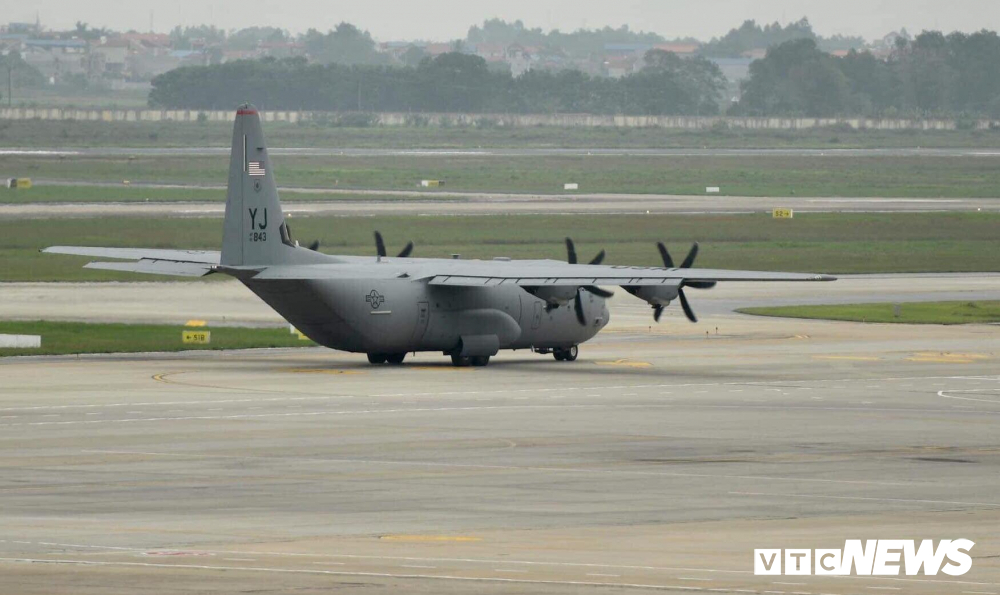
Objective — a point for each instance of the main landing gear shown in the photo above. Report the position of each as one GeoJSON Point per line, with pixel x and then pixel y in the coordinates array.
{"type": "Point", "coordinates": [386, 358]}
{"type": "Point", "coordinates": [460, 361]}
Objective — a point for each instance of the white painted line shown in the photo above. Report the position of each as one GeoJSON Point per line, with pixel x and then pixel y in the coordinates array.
{"type": "Point", "coordinates": [353, 573]}
{"type": "Point", "coordinates": [905, 500]}
{"type": "Point", "coordinates": [942, 393]}
{"type": "Point", "coordinates": [445, 560]}
{"type": "Point", "coordinates": [603, 574]}
{"type": "Point", "coordinates": [293, 414]}
{"type": "Point", "coordinates": [415, 566]}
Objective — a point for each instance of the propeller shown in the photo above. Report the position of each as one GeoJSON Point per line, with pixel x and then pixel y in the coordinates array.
{"type": "Point", "coordinates": [314, 246]}
{"type": "Point", "coordinates": [571, 254]}
{"type": "Point", "coordinates": [597, 259]}
{"type": "Point", "coordinates": [380, 247]}
{"type": "Point", "coordinates": [602, 293]}
{"type": "Point", "coordinates": [685, 264]}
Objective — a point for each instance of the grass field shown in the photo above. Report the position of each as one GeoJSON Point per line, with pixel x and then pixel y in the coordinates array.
{"type": "Point", "coordinates": [821, 243]}
{"type": "Point", "coordinates": [42, 133]}
{"type": "Point", "coordinates": [59, 338]}
{"type": "Point", "coordinates": [898, 176]}
{"type": "Point", "coordinates": [118, 193]}
{"type": "Point", "coordinates": [909, 313]}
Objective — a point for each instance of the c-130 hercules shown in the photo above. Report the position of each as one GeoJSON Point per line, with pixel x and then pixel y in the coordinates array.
{"type": "Point", "coordinates": [387, 307]}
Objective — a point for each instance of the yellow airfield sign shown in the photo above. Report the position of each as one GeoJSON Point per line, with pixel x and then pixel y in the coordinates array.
{"type": "Point", "coordinates": [196, 337]}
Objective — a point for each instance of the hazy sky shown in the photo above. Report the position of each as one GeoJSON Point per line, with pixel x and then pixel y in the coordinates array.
{"type": "Point", "coordinates": [449, 19]}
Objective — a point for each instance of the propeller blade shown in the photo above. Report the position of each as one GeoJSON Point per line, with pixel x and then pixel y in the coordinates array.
{"type": "Point", "coordinates": [314, 246]}
{"type": "Point", "coordinates": [689, 259]}
{"type": "Point", "coordinates": [406, 251]}
{"type": "Point", "coordinates": [687, 307]}
{"type": "Point", "coordinates": [667, 261]}
{"type": "Point", "coordinates": [700, 284]}
{"type": "Point", "coordinates": [657, 312]}
{"type": "Point", "coordinates": [599, 258]}
{"type": "Point", "coordinates": [598, 291]}
{"type": "Point", "coordinates": [570, 251]}
{"type": "Point", "coordinates": [379, 244]}
{"type": "Point", "coordinates": [578, 302]}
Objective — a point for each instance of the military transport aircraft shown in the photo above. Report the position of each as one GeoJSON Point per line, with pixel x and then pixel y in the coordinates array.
{"type": "Point", "coordinates": [388, 306]}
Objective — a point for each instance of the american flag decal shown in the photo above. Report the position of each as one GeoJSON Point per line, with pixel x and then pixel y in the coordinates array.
{"type": "Point", "coordinates": [255, 168]}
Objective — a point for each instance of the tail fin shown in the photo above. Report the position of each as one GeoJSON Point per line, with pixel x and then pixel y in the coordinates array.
{"type": "Point", "coordinates": [254, 231]}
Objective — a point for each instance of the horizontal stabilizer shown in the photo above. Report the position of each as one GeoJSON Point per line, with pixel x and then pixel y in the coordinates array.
{"type": "Point", "coordinates": [155, 267]}
{"type": "Point", "coordinates": [199, 256]}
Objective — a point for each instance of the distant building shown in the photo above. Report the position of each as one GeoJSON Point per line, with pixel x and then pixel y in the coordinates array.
{"type": "Point", "coordinates": [620, 50]}
{"type": "Point", "coordinates": [436, 49]}
{"type": "Point", "coordinates": [57, 58]}
{"type": "Point", "coordinates": [684, 50]}
{"type": "Point", "coordinates": [109, 58]}
{"type": "Point", "coordinates": [617, 67]}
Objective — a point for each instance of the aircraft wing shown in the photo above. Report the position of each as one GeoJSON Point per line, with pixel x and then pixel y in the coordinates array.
{"type": "Point", "coordinates": [564, 274]}
{"type": "Point", "coordinates": [182, 263]}
{"type": "Point", "coordinates": [526, 273]}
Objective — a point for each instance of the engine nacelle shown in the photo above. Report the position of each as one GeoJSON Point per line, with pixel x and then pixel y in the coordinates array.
{"type": "Point", "coordinates": [654, 295]}
{"type": "Point", "coordinates": [556, 295]}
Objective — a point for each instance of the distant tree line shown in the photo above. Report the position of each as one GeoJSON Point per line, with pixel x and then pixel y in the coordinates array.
{"type": "Point", "coordinates": [451, 82]}
{"type": "Point", "coordinates": [934, 75]}
{"type": "Point", "coordinates": [583, 42]}
{"type": "Point", "coordinates": [750, 36]}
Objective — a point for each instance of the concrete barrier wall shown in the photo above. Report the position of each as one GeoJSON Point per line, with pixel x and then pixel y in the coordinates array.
{"type": "Point", "coordinates": [20, 341]}
{"type": "Point", "coordinates": [499, 120]}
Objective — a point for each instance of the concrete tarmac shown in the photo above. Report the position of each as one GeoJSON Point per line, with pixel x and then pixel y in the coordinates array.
{"type": "Point", "coordinates": [415, 202]}
{"type": "Point", "coordinates": [515, 152]}
{"type": "Point", "coordinates": [658, 461]}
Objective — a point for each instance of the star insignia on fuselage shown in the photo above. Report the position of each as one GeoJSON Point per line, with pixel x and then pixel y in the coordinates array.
{"type": "Point", "coordinates": [375, 299]}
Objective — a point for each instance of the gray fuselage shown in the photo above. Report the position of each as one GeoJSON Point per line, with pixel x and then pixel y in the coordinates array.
{"type": "Point", "coordinates": [402, 315]}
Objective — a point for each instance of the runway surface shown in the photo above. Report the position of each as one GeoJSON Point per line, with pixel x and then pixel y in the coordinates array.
{"type": "Point", "coordinates": [378, 202]}
{"type": "Point", "coordinates": [658, 461]}
{"type": "Point", "coordinates": [229, 303]}
{"type": "Point", "coordinates": [513, 152]}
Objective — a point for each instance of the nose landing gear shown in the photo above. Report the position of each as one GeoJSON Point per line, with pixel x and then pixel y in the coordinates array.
{"type": "Point", "coordinates": [566, 355]}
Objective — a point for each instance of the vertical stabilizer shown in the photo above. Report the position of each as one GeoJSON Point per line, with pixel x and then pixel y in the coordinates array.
{"type": "Point", "coordinates": [254, 231]}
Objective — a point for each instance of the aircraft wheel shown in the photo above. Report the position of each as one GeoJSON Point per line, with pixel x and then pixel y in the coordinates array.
{"type": "Point", "coordinates": [479, 360]}
{"type": "Point", "coordinates": [395, 358]}
{"type": "Point", "coordinates": [566, 355]}
{"type": "Point", "coordinates": [460, 362]}
{"type": "Point", "coordinates": [377, 358]}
